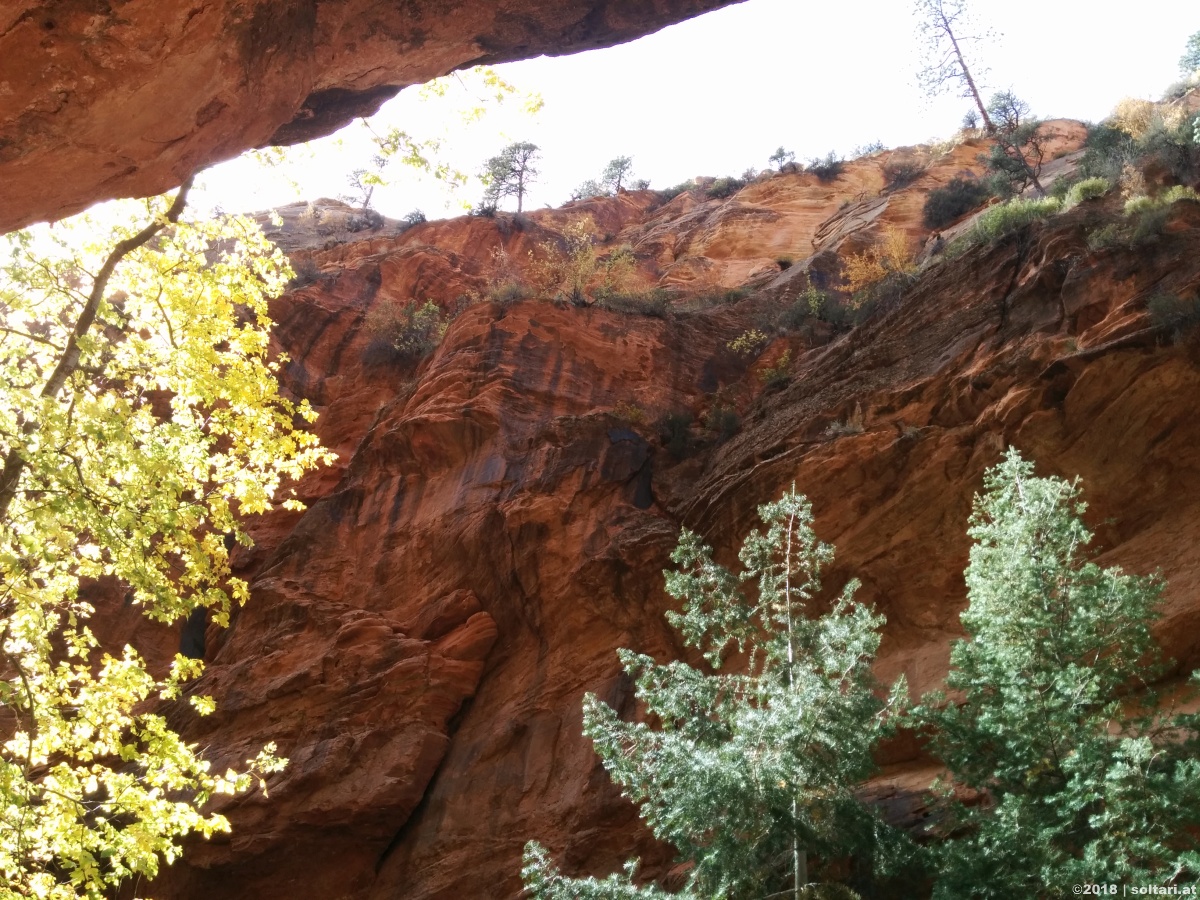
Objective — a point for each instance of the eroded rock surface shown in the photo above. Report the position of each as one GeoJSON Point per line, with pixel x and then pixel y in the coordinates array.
{"type": "Point", "coordinates": [101, 100]}
{"type": "Point", "coordinates": [420, 639]}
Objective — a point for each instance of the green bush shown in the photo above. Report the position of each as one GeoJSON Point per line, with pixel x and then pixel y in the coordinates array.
{"type": "Point", "coordinates": [724, 187]}
{"type": "Point", "coordinates": [671, 193]}
{"type": "Point", "coordinates": [710, 299]}
{"type": "Point", "coordinates": [675, 431]}
{"type": "Point", "coordinates": [1106, 237]}
{"type": "Point", "coordinates": [1005, 218]}
{"type": "Point", "coordinates": [897, 175]}
{"type": "Point", "coordinates": [780, 373]}
{"type": "Point", "coordinates": [828, 168]}
{"type": "Point", "coordinates": [402, 334]}
{"type": "Point", "coordinates": [306, 272]}
{"type": "Point", "coordinates": [1088, 189]}
{"type": "Point", "coordinates": [1106, 152]}
{"type": "Point", "coordinates": [1150, 214]}
{"type": "Point", "coordinates": [655, 303]}
{"type": "Point", "coordinates": [953, 201]}
{"type": "Point", "coordinates": [508, 293]}
{"type": "Point", "coordinates": [722, 421]}
{"type": "Point", "coordinates": [878, 297]}
{"type": "Point", "coordinates": [1173, 314]}
{"type": "Point", "coordinates": [1173, 147]}
{"type": "Point", "coordinates": [814, 305]}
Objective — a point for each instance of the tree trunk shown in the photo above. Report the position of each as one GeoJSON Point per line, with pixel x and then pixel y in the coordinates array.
{"type": "Point", "coordinates": [962, 63]}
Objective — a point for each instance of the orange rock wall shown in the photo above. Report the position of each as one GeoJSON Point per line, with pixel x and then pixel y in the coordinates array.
{"type": "Point", "coordinates": [101, 100]}
{"type": "Point", "coordinates": [419, 641]}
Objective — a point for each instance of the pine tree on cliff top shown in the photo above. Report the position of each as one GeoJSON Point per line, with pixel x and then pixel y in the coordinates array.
{"type": "Point", "coordinates": [1083, 784]}
{"type": "Point", "coordinates": [751, 774]}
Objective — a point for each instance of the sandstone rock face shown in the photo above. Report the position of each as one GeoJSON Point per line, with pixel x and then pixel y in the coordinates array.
{"type": "Point", "coordinates": [101, 100]}
{"type": "Point", "coordinates": [419, 641]}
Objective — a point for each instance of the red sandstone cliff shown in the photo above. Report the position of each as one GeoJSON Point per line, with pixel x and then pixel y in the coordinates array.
{"type": "Point", "coordinates": [419, 640]}
{"type": "Point", "coordinates": [101, 100]}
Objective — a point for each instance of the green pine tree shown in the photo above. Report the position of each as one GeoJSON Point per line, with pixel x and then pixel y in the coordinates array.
{"type": "Point", "coordinates": [1085, 778]}
{"type": "Point", "coordinates": [751, 773]}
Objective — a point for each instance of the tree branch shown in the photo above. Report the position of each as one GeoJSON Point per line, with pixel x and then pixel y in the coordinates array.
{"type": "Point", "coordinates": [68, 363]}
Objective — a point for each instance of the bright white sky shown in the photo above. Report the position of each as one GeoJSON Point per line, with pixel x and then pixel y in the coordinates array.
{"type": "Point", "coordinates": [717, 94]}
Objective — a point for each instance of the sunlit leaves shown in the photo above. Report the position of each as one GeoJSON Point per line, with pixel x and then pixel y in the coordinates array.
{"type": "Point", "coordinates": [169, 428]}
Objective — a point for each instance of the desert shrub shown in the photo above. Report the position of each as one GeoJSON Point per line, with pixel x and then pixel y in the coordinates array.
{"type": "Point", "coordinates": [748, 343]}
{"type": "Point", "coordinates": [1178, 89]}
{"type": "Point", "coordinates": [844, 428]}
{"type": "Point", "coordinates": [1149, 214]}
{"type": "Point", "coordinates": [1132, 116]}
{"type": "Point", "coordinates": [881, 262]}
{"type": "Point", "coordinates": [803, 309]}
{"type": "Point", "coordinates": [570, 268]}
{"type": "Point", "coordinates": [818, 305]}
{"type": "Point", "coordinates": [306, 272]}
{"type": "Point", "coordinates": [629, 412]}
{"type": "Point", "coordinates": [1006, 218]}
{"type": "Point", "coordinates": [1169, 140]}
{"type": "Point", "coordinates": [712, 298]}
{"type": "Point", "coordinates": [827, 168]}
{"type": "Point", "coordinates": [416, 217]}
{"type": "Point", "coordinates": [900, 174]}
{"type": "Point", "coordinates": [867, 149]}
{"type": "Point", "coordinates": [1106, 152]}
{"type": "Point", "coordinates": [1173, 314]}
{"type": "Point", "coordinates": [402, 334]}
{"type": "Point", "coordinates": [724, 187]}
{"type": "Point", "coordinates": [778, 373]}
{"type": "Point", "coordinates": [1088, 189]}
{"type": "Point", "coordinates": [784, 263]}
{"type": "Point", "coordinates": [959, 197]}
{"type": "Point", "coordinates": [654, 303]}
{"type": "Point", "coordinates": [508, 293]}
{"type": "Point", "coordinates": [877, 298]}
{"type": "Point", "coordinates": [506, 283]}
{"type": "Point", "coordinates": [1105, 237]}
{"type": "Point", "coordinates": [682, 188]}
{"type": "Point", "coordinates": [722, 421]}
{"type": "Point", "coordinates": [675, 431]}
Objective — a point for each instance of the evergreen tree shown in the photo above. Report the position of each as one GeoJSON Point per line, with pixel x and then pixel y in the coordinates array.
{"type": "Point", "coordinates": [1189, 62]}
{"type": "Point", "coordinates": [750, 771]}
{"type": "Point", "coordinates": [509, 174]}
{"type": "Point", "coordinates": [616, 173]}
{"type": "Point", "coordinates": [1018, 150]}
{"type": "Point", "coordinates": [1082, 783]}
{"type": "Point", "coordinates": [782, 157]}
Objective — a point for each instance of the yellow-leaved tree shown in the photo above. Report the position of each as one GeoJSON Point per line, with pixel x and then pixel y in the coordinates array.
{"type": "Point", "coordinates": [140, 420]}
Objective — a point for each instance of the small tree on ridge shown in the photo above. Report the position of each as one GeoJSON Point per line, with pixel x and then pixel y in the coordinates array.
{"type": "Point", "coordinates": [509, 174]}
